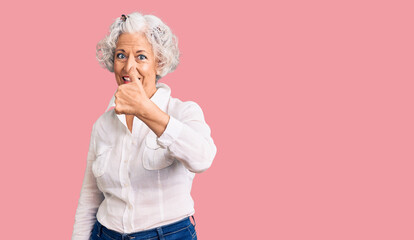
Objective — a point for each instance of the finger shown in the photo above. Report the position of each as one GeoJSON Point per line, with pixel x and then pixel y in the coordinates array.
{"type": "Point", "coordinates": [133, 74]}
{"type": "Point", "coordinates": [117, 111]}
{"type": "Point", "coordinates": [140, 87]}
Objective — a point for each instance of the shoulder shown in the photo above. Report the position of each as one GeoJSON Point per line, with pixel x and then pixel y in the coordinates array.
{"type": "Point", "coordinates": [104, 119]}
{"type": "Point", "coordinates": [184, 109]}
{"type": "Point", "coordinates": [175, 106]}
{"type": "Point", "coordinates": [105, 126]}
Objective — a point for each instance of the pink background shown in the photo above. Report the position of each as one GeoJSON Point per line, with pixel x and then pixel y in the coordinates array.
{"type": "Point", "coordinates": [310, 105]}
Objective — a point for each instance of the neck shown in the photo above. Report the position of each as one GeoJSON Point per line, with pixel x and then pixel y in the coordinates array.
{"type": "Point", "coordinates": [152, 92]}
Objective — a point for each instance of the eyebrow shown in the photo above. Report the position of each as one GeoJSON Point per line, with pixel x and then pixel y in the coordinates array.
{"type": "Point", "coordinates": [122, 50]}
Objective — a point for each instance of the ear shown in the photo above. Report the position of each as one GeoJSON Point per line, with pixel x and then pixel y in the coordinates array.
{"type": "Point", "coordinates": [157, 70]}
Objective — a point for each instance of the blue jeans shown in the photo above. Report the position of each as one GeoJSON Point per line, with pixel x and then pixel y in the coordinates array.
{"type": "Point", "coordinates": [181, 230]}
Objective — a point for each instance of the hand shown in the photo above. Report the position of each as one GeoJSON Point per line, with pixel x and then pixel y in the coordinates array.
{"type": "Point", "coordinates": [130, 98]}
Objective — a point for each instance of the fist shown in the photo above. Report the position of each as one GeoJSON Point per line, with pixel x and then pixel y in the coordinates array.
{"type": "Point", "coordinates": [130, 98]}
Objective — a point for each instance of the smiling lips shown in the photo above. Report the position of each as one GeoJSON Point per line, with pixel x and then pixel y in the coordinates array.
{"type": "Point", "coordinates": [126, 79]}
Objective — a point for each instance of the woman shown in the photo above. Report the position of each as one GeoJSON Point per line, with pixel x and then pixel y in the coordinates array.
{"type": "Point", "coordinates": [144, 153]}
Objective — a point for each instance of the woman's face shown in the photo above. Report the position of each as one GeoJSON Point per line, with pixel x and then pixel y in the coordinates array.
{"type": "Point", "coordinates": [134, 51]}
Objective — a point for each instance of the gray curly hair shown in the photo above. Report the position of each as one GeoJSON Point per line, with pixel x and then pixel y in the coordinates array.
{"type": "Point", "coordinates": [159, 35]}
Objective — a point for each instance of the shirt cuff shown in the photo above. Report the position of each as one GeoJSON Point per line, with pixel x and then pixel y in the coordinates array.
{"type": "Point", "coordinates": [171, 132]}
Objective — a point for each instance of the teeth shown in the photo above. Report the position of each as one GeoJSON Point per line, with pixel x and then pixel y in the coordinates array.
{"type": "Point", "coordinates": [126, 79]}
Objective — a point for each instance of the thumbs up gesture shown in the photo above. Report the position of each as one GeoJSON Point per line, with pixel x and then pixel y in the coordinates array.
{"type": "Point", "coordinates": [131, 98]}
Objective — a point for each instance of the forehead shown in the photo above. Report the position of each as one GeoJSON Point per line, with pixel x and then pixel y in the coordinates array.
{"type": "Point", "coordinates": [132, 41]}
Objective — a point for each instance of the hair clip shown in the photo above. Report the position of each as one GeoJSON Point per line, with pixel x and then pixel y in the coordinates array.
{"type": "Point", "coordinates": [123, 17]}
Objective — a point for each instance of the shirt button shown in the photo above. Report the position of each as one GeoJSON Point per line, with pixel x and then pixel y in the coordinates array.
{"type": "Point", "coordinates": [130, 207]}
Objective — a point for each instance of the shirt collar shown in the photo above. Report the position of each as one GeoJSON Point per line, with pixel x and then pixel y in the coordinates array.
{"type": "Point", "coordinates": [161, 96]}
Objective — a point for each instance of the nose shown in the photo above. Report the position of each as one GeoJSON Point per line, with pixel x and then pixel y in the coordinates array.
{"type": "Point", "coordinates": [130, 63]}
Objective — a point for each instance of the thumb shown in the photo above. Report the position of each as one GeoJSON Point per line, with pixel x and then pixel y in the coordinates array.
{"type": "Point", "coordinates": [133, 74]}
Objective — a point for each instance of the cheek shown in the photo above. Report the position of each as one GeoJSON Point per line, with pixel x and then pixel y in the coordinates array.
{"type": "Point", "coordinates": [118, 66]}
{"type": "Point", "coordinates": [148, 69]}
{"type": "Point", "coordinates": [143, 70]}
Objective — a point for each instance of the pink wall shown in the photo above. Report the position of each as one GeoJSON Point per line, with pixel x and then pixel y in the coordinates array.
{"type": "Point", "coordinates": [310, 105]}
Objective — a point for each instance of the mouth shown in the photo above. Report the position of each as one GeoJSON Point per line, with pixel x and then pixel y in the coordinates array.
{"type": "Point", "coordinates": [127, 79]}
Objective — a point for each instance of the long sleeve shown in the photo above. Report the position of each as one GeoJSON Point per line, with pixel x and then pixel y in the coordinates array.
{"type": "Point", "coordinates": [187, 136]}
{"type": "Point", "coordinates": [89, 200]}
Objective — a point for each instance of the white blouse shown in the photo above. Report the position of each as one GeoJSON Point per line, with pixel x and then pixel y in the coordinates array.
{"type": "Point", "coordinates": [136, 181]}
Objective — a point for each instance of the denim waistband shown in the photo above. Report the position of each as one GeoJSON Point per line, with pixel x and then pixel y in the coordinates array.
{"type": "Point", "coordinates": [146, 234]}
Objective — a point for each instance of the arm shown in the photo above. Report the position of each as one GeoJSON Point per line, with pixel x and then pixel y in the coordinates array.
{"type": "Point", "coordinates": [188, 139]}
{"type": "Point", "coordinates": [89, 200]}
{"type": "Point", "coordinates": [154, 117]}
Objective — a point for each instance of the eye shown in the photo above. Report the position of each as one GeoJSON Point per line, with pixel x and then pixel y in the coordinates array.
{"type": "Point", "coordinates": [120, 56]}
{"type": "Point", "coordinates": [142, 57]}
